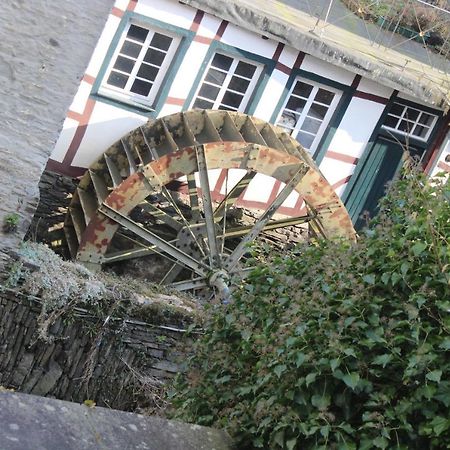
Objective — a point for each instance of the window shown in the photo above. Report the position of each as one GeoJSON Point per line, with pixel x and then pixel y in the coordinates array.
{"type": "Point", "coordinates": [228, 83]}
{"type": "Point", "coordinates": [139, 64]}
{"type": "Point", "coordinates": [307, 111]}
{"type": "Point", "coordinates": [410, 121]}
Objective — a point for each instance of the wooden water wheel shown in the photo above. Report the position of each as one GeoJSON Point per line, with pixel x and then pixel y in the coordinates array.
{"type": "Point", "coordinates": [181, 188]}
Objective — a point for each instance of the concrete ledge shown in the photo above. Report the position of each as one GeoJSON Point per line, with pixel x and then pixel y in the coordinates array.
{"type": "Point", "coordinates": [30, 422]}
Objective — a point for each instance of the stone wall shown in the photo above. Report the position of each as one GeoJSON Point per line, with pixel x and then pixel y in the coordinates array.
{"type": "Point", "coordinates": [119, 363]}
{"type": "Point", "coordinates": [45, 49]}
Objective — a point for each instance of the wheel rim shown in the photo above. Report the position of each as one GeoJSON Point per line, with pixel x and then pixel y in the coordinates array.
{"type": "Point", "coordinates": [129, 185]}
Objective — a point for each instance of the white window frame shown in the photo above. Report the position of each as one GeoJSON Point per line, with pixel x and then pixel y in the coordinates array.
{"type": "Point", "coordinates": [415, 123]}
{"type": "Point", "coordinates": [326, 120]}
{"type": "Point", "coordinates": [224, 88]}
{"type": "Point", "coordinates": [124, 94]}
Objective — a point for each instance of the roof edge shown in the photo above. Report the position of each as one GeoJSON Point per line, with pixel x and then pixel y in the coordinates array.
{"type": "Point", "coordinates": [252, 19]}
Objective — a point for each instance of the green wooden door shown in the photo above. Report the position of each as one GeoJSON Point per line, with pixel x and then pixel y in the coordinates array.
{"type": "Point", "coordinates": [379, 167]}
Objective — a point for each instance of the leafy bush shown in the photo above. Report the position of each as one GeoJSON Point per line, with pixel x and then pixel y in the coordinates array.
{"type": "Point", "coordinates": [338, 346]}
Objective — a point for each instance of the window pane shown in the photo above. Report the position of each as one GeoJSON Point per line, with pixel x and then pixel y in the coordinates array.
{"type": "Point", "coordinates": [141, 87]}
{"type": "Point", "coordinates": [160, 41]}
{"type": "Point", "coordinates": [391, 122]}
{"type": "Point", "coordinates": [227, 108]}
{"type": "Point", "coordinates": [202, 104]}
{"type": "Point", "coordinates": [131, 49]}
{"type": "Point", "coordinates": [147, 72]}
{"type": "Point", "coordinates": [232, 99]}
{"type": "Point", "coordinates": [154, 56]}
{"type": "Point", "coordinates": [245, 69]}
{"type": "Point", "coordinates": [296, 104]}
{"type": "Point", "coordinates": [137, 33]}
{"type": "Point", "coordinates": [317, 111]}
{"type": "Point", "coordinates": [397, 109]}
{"type": "Point", "coordinates": [238, 84]}
{"type": "Point", "coordinates": [208, 91]}
{"type": "Point", "coordinates": [426, 119]}
{"type": "Point", "coordinates": [411, 114]}
{"type": "Point", "coordinates": [324, 96]}
{"type": "Point", "coordinates": [302, 89]}
{"type": "Point", "coordinates": [216, 77]}
{"type": "Point", "coordinates": [124, 64]}
{"type": "Point", "coordinates": [405, 126]}
{"type": "Point", "coordinates": [117, 79]}
{"type": "Point", "coordinates": [420, 131]}
{"type": "Point", "coordinates": [305, 139]}
{"type": "Point", "coordinates": [221, 61]}
{"type": "Point", "coordinates": [311, 125]}
{"type": "Point", "coordinates": [287, 120]}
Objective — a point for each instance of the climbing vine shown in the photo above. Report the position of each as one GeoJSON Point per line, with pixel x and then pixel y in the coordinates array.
{"type": "Point", "coordinates": [337, 346]}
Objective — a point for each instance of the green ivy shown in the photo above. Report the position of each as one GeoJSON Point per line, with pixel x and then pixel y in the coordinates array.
{"type": "Point", "coordinates": [337, 346]}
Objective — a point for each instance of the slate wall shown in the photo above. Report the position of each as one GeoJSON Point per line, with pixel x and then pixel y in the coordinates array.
{"type": "Point", "coordinates": [45, 49]}
{"type": "Point", "coordinates": [122, 364]}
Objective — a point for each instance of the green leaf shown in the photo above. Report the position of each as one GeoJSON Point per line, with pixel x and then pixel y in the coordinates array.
{"type": "Point", "coordinates": [334, 363]}
{"type": "Point", "coordinates": [325, 431]}
{"type": "Point", "coordinates": [246, 334]}
{"type": "Point", "coordinates": [299, 359]}
{"type": "Point", "coordinates": [321, 402]}
{"type": "Point", "coordinates": [351, 379]}
{"type": "Point", "coordinates": [291, 341]}
{"type": "Point", "coordinates": [382, 360]}
{"type": "Point", "coordinates": [440, 424]}
{"type": "Point", "coordinates": [291, 443]}
{"type": "Point", "coordinates": [310, 378]}
{"type": "Point", "coordinates": [434, 375]}
{"type": "Point", "coordinates": [350, 352]}
{"type": "Point", "coordinates": [445, 344]}
{"type": "Point", "coordinates": [279, 438]}
{"type": "Point", "coordinates": [380, 442]}
{"type": "Point", "coordinates": [369, 278]}
{"type": "Point", "coordinates": [279, 370]}
{"type": "Point", "coordinates": [385, 277]}
{"type": "Point", "coordinates": [418, 248]}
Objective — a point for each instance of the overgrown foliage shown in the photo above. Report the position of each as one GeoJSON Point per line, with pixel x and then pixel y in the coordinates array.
{"type": "Point", "coordinates": [338, 346]}
{"type": "Point", "coordinates": [62, 285]}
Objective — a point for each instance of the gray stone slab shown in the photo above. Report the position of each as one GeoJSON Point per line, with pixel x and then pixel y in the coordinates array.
{"type": "Point", "coordinates": [29, 422]}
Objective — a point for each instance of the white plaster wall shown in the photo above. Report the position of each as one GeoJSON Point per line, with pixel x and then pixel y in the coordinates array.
{"type": "Point", "coordinates": [324, 69]}
{"type": "Point", "coordinates": [251, 42]}
{"type": "Point", "coordinates": [443, 153]}
{"type": "Point", "coordinates": [107, 125]}
{"type": "Point", "coordinates": [209, 26]}
{"type": "Point", "coordinates": [371, 87]}
{"type": "Point", "coordinates": [188, 70]}
{"type": "Point", "coordinates": [356, 127]}
{"type": "Point", "coordinates": [168, 11]}
{"type": "Point", "coordinates": [288, 56]}
{"type": "Point", "coordinates": [271, 95]}
{"type": "Point", "coordinates": [64, 139]}
{"type": "Point", "coordinates": [102, 46]}
{"type": "Point", "coordinates": [351, 139]}
{"type": "Point", "coordinates": [81, 97]}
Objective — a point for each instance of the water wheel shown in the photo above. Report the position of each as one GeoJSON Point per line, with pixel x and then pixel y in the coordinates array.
{"type": "Point", "coordinates": [178, 189]}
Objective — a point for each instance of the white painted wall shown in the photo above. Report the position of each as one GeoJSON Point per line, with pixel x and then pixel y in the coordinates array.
{"type": "Point", "coordinates": [107, 125]}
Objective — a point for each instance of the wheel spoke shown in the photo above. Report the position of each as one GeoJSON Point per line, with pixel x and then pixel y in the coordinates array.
{"type": "Point", "coordinates": [149, 236]}
{"type": "Point", "coordinates": [196, 283]}
{"type": "Point", "coordinates": [193, 198]}
{"type": "Point", "coordinates": [233, 195]}
{"type": "Point", "coordinates": [265, 217]}
{"type": "Point", "coordinates": [173, 272]}
{"type": "Point", "coordinates": [242, 230]}
{"type": "Point", "coordinates": [214, 256]}
{"type": "Point", "coordinates": [158, 213]}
